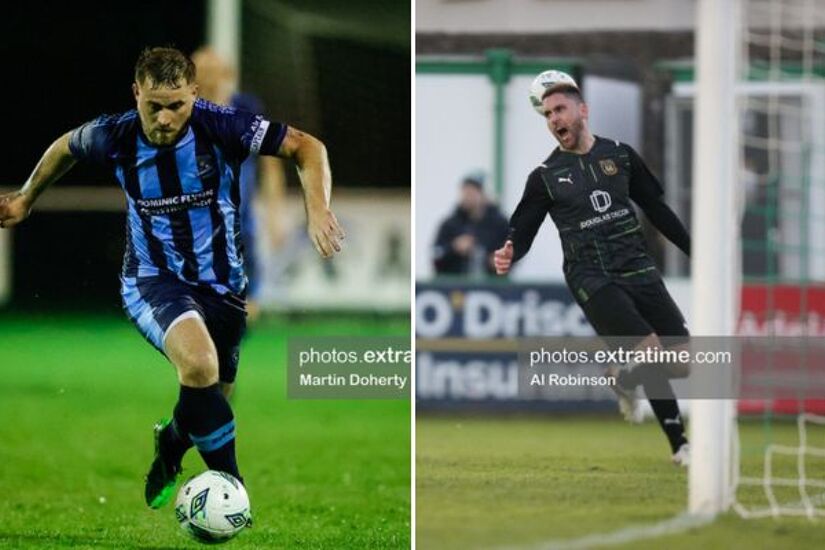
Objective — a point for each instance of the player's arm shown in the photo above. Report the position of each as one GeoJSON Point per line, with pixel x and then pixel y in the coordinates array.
{"type": "Point", "coordinates": [524, 224]}
{"type": "Point", "coordinates": [56, 161]}
{"type": "Point", "coordinates": [316, 179]}
{"type": "Point", "coordinates": [646, 191]}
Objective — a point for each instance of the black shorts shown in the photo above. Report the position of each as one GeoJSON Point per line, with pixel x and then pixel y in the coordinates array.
{"type": "Point", "coordinates": [155, 304]}
{"type": "Point", "coordinates": [635, 310]}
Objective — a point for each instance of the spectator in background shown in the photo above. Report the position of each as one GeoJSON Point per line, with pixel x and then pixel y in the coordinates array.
{"type": "Point", "coordinates": [467, 239]}
{"type": "Point", "coordinates": [217, 82]}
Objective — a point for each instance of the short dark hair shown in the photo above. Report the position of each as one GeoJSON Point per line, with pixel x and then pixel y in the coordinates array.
{"type": "Point", "coordinates": [570, 91]}
{"type": "Point", "coordinates": [165, 66]}
{"type": "Point", "coordinates": [473, 181]}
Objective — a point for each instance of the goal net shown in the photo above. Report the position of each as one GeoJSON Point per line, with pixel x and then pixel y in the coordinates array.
{"type": "Point", "coordinates": [778, 458]}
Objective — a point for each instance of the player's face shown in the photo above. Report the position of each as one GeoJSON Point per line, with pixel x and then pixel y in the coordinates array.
{"type": "Point", "coordinates": [565, 118]}
{"type": "Point", "coordinates": [164, 111]}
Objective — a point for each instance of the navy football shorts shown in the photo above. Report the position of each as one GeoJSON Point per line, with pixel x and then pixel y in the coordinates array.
{"type": "Point", "coordinates": [156, 304]}
{"type": "Point", "coordinates": [635, 310]}
{"type": "Point", "coordinates": [250, 261]}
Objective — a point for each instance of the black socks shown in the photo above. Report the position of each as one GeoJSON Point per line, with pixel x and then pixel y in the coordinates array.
{"type": "Point", "coordinates": [664, 404]}
{"type": "Point", "coordinates": [667, 413]}
{"type": "Point", "coordinates": [174, 443]}
{"type": "Point", "coordinates": [203, 418]}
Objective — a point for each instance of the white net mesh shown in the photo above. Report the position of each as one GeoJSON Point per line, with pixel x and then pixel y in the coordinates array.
{"type": "Point", "coordinates": [786, 483]}
{"type": "Point", "coordinates": [779, 454]}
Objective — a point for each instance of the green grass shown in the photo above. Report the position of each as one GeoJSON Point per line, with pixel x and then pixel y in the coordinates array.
{"type": "Point", "coordinates": [81, 393]}
{"type": "Point", "coordinates": [485, 482]}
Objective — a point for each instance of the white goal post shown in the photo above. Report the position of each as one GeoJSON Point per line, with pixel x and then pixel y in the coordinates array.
{"type": "Point", "coordinates": [714, 263]}
{"type": "Point", "coordinates": [759, 111]}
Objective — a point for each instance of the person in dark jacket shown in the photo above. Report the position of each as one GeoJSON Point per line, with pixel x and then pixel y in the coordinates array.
{"type": "Point", "coordinates": [468, 238]}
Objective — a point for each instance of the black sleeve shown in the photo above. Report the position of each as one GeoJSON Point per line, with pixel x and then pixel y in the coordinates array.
{"type": "Point", "coordinates": [444, 257]}
{"type": "Point", "coordinates": [240, 132]}
{"type": "Point", "coordinates": [529, 215]}
{"type": "Point", "coordinates": [646, 191]}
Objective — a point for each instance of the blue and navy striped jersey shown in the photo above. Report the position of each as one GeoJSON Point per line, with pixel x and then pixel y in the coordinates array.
{"type": "Point", "coordinates": [249, 168]}
{"type": "Point", "coordinates": [182, 200]}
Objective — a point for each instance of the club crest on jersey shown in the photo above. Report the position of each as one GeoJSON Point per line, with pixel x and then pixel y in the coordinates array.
{"type": "Point", "coordinates": [608, 167]}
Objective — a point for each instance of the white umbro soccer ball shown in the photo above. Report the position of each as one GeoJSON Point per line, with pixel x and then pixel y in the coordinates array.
{"type": "Point", "coordinates": [212, 507]}
{"type": "Point", "coordinates": [544, 81]}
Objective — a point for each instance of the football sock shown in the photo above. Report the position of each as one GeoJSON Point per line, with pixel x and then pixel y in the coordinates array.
{"type": "Point", "coordinates": [175, 442]}
{"type": "Point", "coordinates": [655, 381]}
{"type": "Point", "coordinates": [666, 409]}
{"type": "Point", "coordinates": [667, 413]}
{"type": "Point", "coordinates": [205, 416]}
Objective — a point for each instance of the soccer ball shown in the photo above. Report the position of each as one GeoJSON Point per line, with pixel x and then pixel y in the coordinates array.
{"type": "Point", "coordinates": [544, 81]}
{"type": "Point", "coordinates": [212, 507]}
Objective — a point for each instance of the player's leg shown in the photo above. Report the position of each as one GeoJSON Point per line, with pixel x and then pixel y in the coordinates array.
{"type": "Point", "coordinates": [665, 407]}
{"type": "Point", "coordinates": [154, 304]}
{"type": "Point", "coordinates": [226, 322]}
{"type": "Point", "coordinates": [169, 314]}
{"type": "Point", "coordinates": [202, 411]}
{"type": "Point", "coordinates": [191, 350]}
{"type": "Point", "coordinates": [658, 308]}
{"type": "Point", "coordinates": [614, 311]}
{"type": "Point", "coordinates": [611, 312]}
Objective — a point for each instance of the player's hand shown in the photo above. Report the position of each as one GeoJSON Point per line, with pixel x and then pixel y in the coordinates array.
{"type": "Point", "coordinates": [324, 232]}
{"type": "Point", "coordinates": [14, 208]}
{"type": "Point", "coordinates": [503, 258]}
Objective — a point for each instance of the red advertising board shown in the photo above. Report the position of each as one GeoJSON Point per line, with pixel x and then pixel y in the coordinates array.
{"type": "Point", "coordinates": [782, 310]}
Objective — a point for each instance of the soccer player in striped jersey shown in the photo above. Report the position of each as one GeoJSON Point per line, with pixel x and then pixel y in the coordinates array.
{"type": "Point", "coordinates": [178, 160]}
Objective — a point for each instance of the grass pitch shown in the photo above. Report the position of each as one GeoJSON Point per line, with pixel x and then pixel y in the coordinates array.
{"type": "Point", "coordinates": [80, 395]}
{"type": "Point", "coordinates": [524, 482]}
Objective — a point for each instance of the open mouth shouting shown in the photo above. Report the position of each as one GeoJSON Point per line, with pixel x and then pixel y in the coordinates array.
{"type": "Point", "coordinates": [564, 136]}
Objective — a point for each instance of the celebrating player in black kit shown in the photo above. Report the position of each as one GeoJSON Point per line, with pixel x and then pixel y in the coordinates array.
{"type": "Point", "coordinates": [586, 185]}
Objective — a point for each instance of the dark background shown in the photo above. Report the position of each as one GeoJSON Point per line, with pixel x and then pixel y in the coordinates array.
{"type": "Point", "coordinates": [66, 63]}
